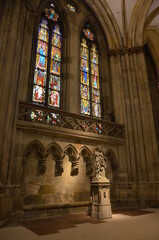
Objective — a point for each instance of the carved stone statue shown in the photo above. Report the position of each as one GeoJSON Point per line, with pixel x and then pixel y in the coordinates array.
{"type": "Point", "coordinates": [100, 163]}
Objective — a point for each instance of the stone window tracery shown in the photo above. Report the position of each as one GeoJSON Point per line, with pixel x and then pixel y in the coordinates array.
{"type": "Point", "coordinates": [47, 73]}
{"type": "Point", "coordinates": [89, 75]}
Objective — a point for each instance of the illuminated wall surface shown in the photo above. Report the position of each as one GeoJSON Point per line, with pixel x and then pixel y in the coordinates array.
{"type": "Point", "coordinates": [75, 75]}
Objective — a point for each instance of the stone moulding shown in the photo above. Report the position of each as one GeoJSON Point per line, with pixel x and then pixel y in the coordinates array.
{"type": "Point", "coordinates": [123, 51]}
{"type": "Point", "coordinates": [61, 119]}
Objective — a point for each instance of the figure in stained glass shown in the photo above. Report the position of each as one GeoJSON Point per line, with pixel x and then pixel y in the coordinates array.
{"type": "Point", "coordinates": [84, 92]}
{"type": "Point", "coordinates": [43, 34]}
{"type": "Point", "coordinates": [95, 95]}
{"type": "Point", "coordinates": [55, 67]}
{"type": "Point", "coordinates": [38, 94]}
{"type": "Point", "coordinates": [56, 40]}
{"type": "Point", "coordinates": [54, 98]}
{"type": "Point", "coordinates": [41, 62]}
{"type": "Point", "coordinates": [54, 82]}
{"type": "Point", "coordinates": [40, 77]}
{"type": "Point", "coordinates": [56, 53]}
{"type": "Point", "coordinates": [42, 48]}
{"type": "Point", "coordinates": [42, 69]}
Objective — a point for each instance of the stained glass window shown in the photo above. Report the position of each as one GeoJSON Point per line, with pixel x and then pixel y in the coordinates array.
{"type": "Point", "coordinates": [89, 75]}
{"type": "Point", "coordinates": [71, 8]}
{"type": "Point", "coordinates": [47, 73]}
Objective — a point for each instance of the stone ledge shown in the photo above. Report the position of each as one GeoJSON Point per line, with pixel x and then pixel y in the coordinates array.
{"type": "Point", "coordinates": [67, 133]}
{"type": "Point", "coordinates": [55, 206]}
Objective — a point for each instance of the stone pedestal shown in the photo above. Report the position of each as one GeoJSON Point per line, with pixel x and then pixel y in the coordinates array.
{"type": "Point", "coordinates": [101, 206]}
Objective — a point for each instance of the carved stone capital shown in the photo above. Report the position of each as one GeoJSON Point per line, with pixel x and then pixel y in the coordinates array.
{"type": "Point", "coordinates": [123, 51]}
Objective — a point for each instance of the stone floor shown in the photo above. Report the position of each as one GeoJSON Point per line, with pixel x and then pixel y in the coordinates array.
{"type": "Point", "coordinates": [125, 224]}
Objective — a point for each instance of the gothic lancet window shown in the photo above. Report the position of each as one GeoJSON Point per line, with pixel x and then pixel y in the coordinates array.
{"type": "Point", "coordinates": [47, 73]}
{"type": "Point", "coordinates": [89, 75]}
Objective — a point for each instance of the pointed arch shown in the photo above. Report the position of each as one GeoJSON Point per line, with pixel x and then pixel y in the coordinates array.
{"type": "Point", "coordinates": [108, 22]}
{"type": "Point", "coordinates": [137, 21]}
{"type": "Point", "coordinates": [48, 60]}
{"type": "Point", "coordinates": [35, 144]}
{"type": "Point", "coordinates": [112, 158]}
{"type": "Point", "coordinates": [71, 151]}
{"type": "Point", "coordinates": [55, 150]}
{"type": "Point", "coordinates": [39, 148]}
{"type": "Point", "coordinates": [87, 157]}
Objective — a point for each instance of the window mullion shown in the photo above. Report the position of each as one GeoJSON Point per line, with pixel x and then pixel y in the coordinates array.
{"type": "Point", "coordinates": [48, 67]}
{"type": "Point", "coordinates": [90, 84]}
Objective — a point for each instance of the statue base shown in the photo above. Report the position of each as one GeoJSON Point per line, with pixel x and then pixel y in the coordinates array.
{"type": "Point", "coordinates": [101, 206]}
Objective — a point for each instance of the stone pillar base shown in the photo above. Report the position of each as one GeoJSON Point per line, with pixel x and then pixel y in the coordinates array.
{"type": "Point", "coordinates": [101, 206]}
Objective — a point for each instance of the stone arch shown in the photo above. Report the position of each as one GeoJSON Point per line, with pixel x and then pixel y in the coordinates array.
{"type": "Point", "coordinates": [137, 21]}
{"type": "Point", "coordinates": [87, 157]}
{"type": "Point", "coordinates": [39, 148]}
{"type": "Point", "coordinates": [112, 158]}
{"type": "Point", "coordinates": [151, 16]}
{"type": "Point", "coordinates": [151, 36]}
{"type": "Point", "coordinates": [55, 150]}
{"type": "Point", "coordinates": [112, 165]}
{"type": "Point", "coordinates": [72, 153]}
{"type": "Point", "coordinates": [108, 22]}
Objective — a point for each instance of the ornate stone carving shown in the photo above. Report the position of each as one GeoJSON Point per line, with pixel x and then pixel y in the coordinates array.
{"type": "Point", "coordinates": [123, 51]}
{"type": "Point", "coordinates": [62, 119]}
{"type": "Point", "coordinates": [100, 163]}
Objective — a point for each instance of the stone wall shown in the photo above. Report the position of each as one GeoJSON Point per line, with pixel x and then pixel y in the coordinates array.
{"type": "Point", "coordinates": [31, 176]}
